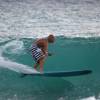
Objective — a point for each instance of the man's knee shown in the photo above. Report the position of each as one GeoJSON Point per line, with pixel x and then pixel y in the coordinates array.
{"type": "Point", "coordinates": [41, 60]}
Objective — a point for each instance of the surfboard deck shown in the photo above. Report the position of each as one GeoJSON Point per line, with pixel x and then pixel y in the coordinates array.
{"type": "Point", "coordinates": [60, 73]}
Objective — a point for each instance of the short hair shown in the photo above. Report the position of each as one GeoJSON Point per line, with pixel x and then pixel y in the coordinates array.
{"type": "Point", "coordinates": [51, 38]}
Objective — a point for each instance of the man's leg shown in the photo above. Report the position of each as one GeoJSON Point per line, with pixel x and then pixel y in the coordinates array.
{"type": "Point", "coordinates": [41, 63]}
{"type": "Point", "coordinates": [36, 65]}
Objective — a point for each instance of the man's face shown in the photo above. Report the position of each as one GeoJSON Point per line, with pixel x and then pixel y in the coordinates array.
{"type": "Point", "coordinates": [51, 40]}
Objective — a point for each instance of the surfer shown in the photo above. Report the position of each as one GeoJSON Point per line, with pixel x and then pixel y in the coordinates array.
{"type": "Point", "coordinates": [40, 50]}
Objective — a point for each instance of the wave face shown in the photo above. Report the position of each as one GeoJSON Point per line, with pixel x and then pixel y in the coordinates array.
{"type": "Point", "coordinates": [36, 18]}
{"type": "Point", "coordinates": [69, 54]}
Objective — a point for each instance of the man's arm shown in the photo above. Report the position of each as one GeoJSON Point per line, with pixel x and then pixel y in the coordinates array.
{"type": "Point", "coordinates": [45, 49]}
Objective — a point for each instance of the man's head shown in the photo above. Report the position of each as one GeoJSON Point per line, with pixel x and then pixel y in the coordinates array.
{"type": "Point", "coordinates": [51, 38]}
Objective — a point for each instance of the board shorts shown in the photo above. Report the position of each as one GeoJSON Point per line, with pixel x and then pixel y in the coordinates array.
{"type": "Point", "coordinates": [36, 53]}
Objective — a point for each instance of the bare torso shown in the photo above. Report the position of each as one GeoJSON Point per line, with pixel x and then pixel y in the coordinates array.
{"type": "Point", "coordinates": [43, 44]}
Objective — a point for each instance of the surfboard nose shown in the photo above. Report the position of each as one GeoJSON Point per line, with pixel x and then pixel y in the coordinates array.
{"type": "Point", "coordinates": [88, 71]}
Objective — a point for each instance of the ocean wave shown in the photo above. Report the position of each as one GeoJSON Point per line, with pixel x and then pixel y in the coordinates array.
{"type": "Point", "coordinates": [14, 47]}
{"type": "Point", "coordinates": [40, 18]}
{"type": "Point", "coordinates": [14, 66]}
{"type": "Point", "coordinates": [5, 62]}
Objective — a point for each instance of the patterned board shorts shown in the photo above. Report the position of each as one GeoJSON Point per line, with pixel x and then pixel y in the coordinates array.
{"type": "Point", "coordinates": [36, 52]}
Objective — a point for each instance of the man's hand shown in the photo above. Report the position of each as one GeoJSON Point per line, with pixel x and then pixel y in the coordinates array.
{"type": "Point", "coordinates": [50, 54]}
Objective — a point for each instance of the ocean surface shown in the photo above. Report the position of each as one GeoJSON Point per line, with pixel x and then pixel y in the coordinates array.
{"type": "Point", "coordinates": [76, 25]}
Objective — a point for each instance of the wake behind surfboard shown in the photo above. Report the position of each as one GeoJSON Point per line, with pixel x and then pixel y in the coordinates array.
{"type": "Point", "coordinates": [60, 73]}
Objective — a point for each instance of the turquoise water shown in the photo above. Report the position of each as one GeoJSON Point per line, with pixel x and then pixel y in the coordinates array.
{"type": "Point", "coordinates": [69, 54]}
{"type": "Point", "coordinates": [22, 21]}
